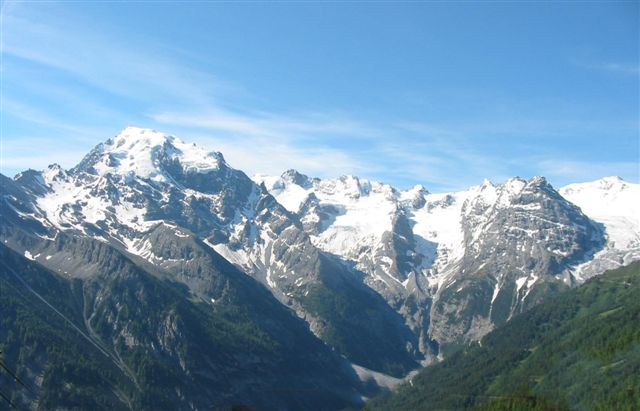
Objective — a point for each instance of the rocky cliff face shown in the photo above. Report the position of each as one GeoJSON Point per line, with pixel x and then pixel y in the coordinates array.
{"type": "Point", "coordinates": [520, 240]}
{"type": "Point", "coordinates": [122, 338]}
{"type": "Point", "coordinates": [454, 265]}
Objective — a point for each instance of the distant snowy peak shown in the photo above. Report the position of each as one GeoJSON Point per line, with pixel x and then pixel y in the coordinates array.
{"type": "Point", "coordinates": [609, 184]}
{"type": "Point", "coordinates": [346, 216]}
{"type": "Point", "coordinates": [292, 189]}
{"type": "Point", "coordinates": [146, 153]}
{"type": "Point", "coordinates": [505, 194]}
{"type": "Point", "coordinates": [609, 196]}
{"type": "Point", "coordinates": [353, 217]}
{"type": "Point", "coordinates": [294, 177]}
{"type": "Point", "coordinates": [605, 191]}
{"type": "Point", "coordinates": [414, 197]}
{"type": "Point", "coordinates": [612, 202]}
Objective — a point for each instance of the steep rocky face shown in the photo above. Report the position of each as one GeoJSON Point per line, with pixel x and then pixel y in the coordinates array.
{"type": "Point", "coordinates": [125, 339]}
{"type": "Point", "coordinates": [454, 265]}
{"type": "Point", "coordinates": [353, 219]}
{"type": "Point", "coordinates": [367, 227]}
{"type": "Point", "coordinates": [168, 203]}
{"type": "Point", "coordinates": [520, 240]}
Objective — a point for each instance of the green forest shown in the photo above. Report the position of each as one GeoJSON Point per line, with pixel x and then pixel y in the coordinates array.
{"type": "Point", "coordinates": [578, 351]}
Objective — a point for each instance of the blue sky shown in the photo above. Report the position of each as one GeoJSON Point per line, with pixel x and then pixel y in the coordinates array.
{"type": "Point", "coordinates": [442, 94]}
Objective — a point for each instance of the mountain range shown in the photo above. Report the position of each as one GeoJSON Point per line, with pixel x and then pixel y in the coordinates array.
{"type": "Point", "coordinates": [184, 282]}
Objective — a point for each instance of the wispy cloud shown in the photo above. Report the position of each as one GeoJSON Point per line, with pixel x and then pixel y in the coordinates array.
{"type": "Point", "coordinates": [269, 143]}
{"type": "Point", "coordinates": [619, 68]}
{"type": "Point", "coordinates": [262, 155]}
{"type": "Point", "coordinates": [107, 62]}
{"type": "Point", "coordinates": [625, 69]}
{"type": "Point", "coordinates": [616, 68]}
{"type": "Point", "coordinates": [38, 152]}
{"type": "Point", "coordinates": [566, 171]}
{"type": "Point", "coordinates": [34, 115]}
{"type": "Point", "coordinates": [438, 163]}
{"type": "Point", "coordinates": [262, 124]}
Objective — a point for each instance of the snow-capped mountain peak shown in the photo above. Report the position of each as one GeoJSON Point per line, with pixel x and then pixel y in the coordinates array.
{"type": "Point", "coordinates": [294, 177]}
{"type": "Point", "coordinates": [129, 180]}
{"type": "Point", "coordinates": [606, 196]}
{"type": "Point", "coordinates": [145, 153]}
{"type": "Point", "coordinates": [611, 184]}
{"type": "Point", "coordinates": [612, 202]}
{"type": "Point", "coordinates": [415, 196]}
{"type": "Point", "coordinates": [54, 172]}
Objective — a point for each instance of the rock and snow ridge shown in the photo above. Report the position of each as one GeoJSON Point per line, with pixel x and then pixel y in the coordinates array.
{"type": "Point", "coordinates": [425, 253]}
{"type": "Point", "coordinates": [361, 211]}
{"type": "Point", "coordinates": [510, 239]}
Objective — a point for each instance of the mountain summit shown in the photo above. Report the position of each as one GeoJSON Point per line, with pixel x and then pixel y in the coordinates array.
{"type": "Point", "coordinates": [148, 154]}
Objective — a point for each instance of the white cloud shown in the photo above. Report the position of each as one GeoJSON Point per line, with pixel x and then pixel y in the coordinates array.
{"type": "Point", "coordinates": [259, 155]}
{"type": "Point", "coordinates": [269, 143]}
{"type": "Point", "coordinates": [107, 62]}
{"type": "Point", "coordinates": [562, 171]}
{"type": "Point", "coordinates": [22, 152]}
{"type": "Point", "coordinates": [254, 140]}
{"type": "Point", "coordinates": [304, 126]}
{"type": "Point", "coordinates": [34, 115]}
{"type": "Point", "coordinates": [618, 68]}
{"type": "Point", "coordinates": [623, 69]}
